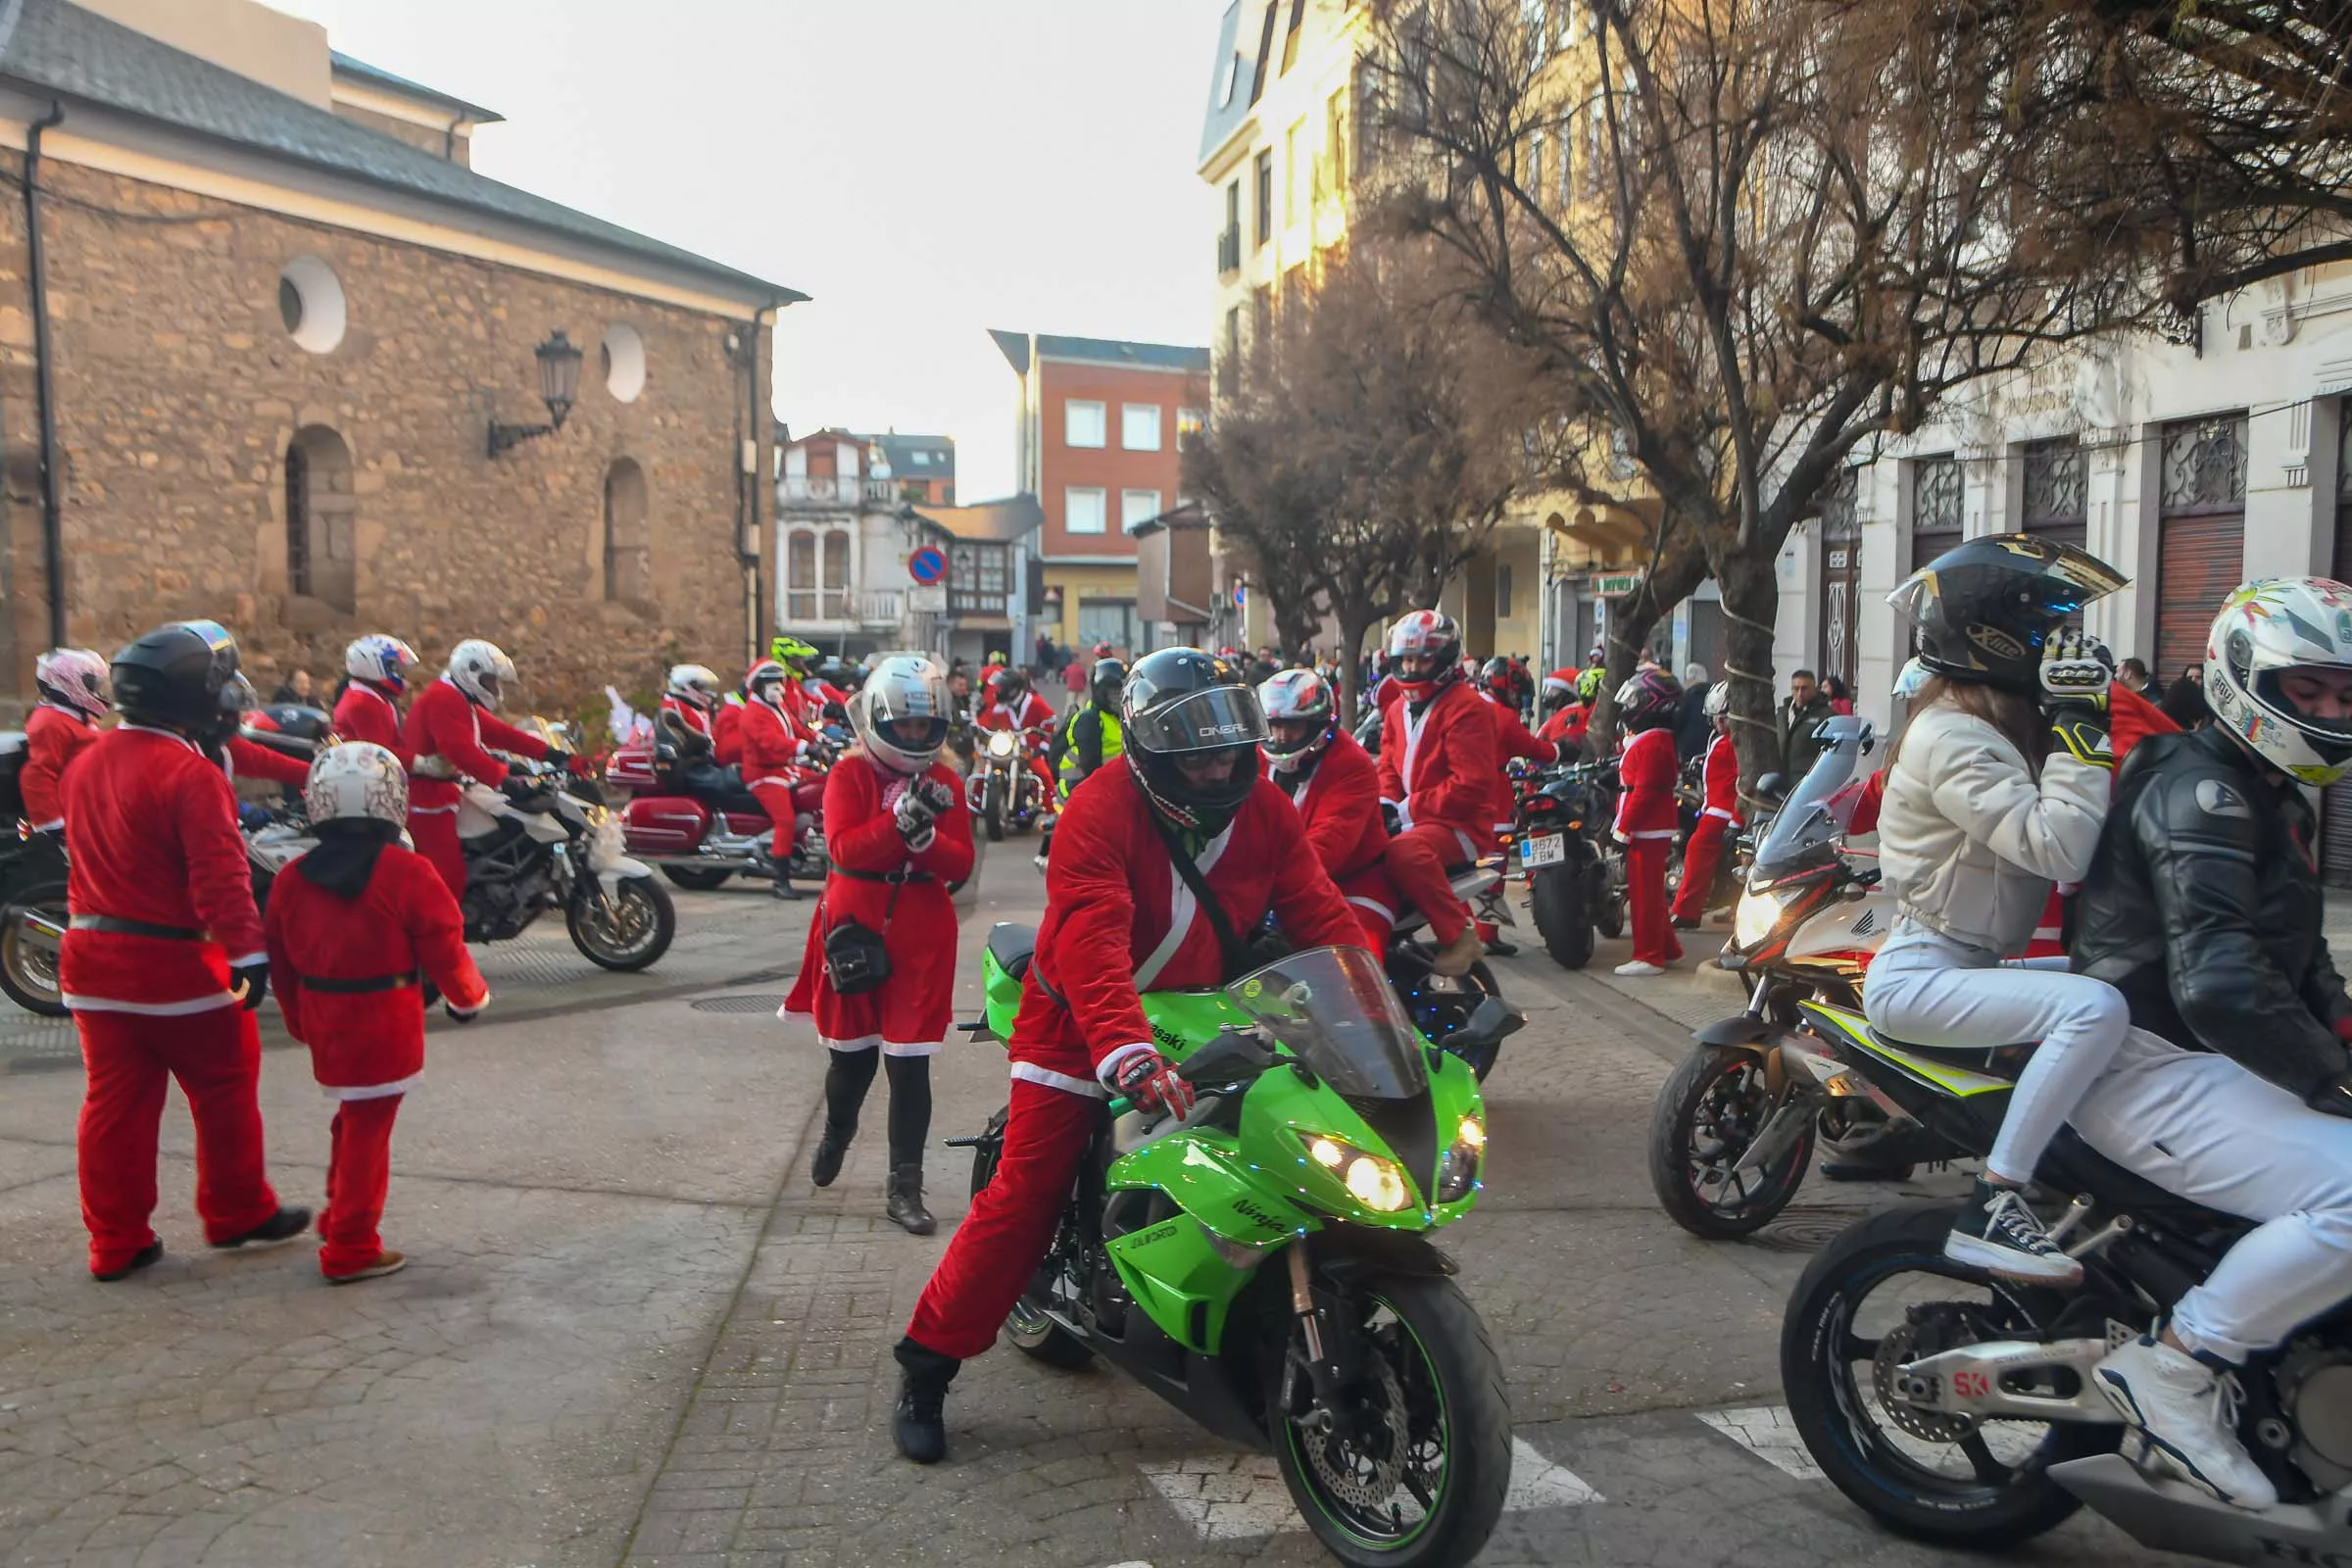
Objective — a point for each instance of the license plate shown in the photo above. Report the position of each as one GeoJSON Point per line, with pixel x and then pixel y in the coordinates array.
{"type": "Point", "coordinates": [1544, 849]}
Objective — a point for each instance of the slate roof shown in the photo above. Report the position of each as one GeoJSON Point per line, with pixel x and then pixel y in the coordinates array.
{"type": "Point", "coordinates": [1237, 61]}
{"type": "Point", "coordinates": [1098, 351]}
{"type": "Point", "coordinates": [990, 521]}
{"type": "Point", "coordinates": [939, 452]}
{"type": "Point", "coordinates": [60, 50]}
{"type": "Point", "coordinates": [346, 66]}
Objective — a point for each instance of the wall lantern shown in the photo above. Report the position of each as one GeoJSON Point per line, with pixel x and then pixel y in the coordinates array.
{"type": "Point", "coordinates": [558, 386]}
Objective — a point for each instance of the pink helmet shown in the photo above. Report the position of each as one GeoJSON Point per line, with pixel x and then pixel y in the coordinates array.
{"type": "Point", "coordinates": [1649, 699]}
{"type": "Point", "coordinates": [74, 678]}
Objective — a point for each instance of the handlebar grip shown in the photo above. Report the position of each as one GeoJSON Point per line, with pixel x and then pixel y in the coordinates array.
{"type": "Point", "coordinates": [1120, 1106]}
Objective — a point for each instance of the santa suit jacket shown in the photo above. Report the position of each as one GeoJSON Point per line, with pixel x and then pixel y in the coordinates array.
{"type": "Point", "coordinates": [1647, 770]}
{"type": "Point", "coordinates": [1511, 740]}
{"type": "Point", "coordinates": [768, 747]}
{"type": "Point", "coordinates": [370, 1044]}
{"type": "Point", "coordinates": [1340, 803]}
{"type": "Point", "coordinates": [447, 729]}
{"type": "Point", "coordinates": [151, 829]}
{"type": "Point", "coordinates": [1034, 712]}
{"type": "Point", "coordinates": [247, 759]}
{"type": "Point", "coordinates": [1722, 777]}
{"type": "Point", "coordinates": [726, 731]}
{"type": "Point", "coordinates": [53, 737]}
{"type": "Point", "coordinates": [364, 714]}
{"type": "Point", "coordinates": [1120, 921]}
{"type": "Point", "coordinates": [1438, 764]}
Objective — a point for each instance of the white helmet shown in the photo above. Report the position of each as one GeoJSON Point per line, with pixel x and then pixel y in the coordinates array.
{"type": "Point", "coordinates": [695, 685]}
{"type": "Point", "coordinates": [480, 670]}
{"type": "Point", "coordinates": [385, 660]}
{"type": "Point", "coordinates": [356, 780]}
{"type": "Point", "coordinates": [2267, 628]}
{"type": "Point", "coordinates": [1296, 697]}
{"type": "Point", "coordinates": [74, 678]}
{"type": "Point", "coordinates": [1719, 698]}
{"type": "Point", "coordinates": [766, 683]}
{"type": "Point", "coordinates": [901, 688]}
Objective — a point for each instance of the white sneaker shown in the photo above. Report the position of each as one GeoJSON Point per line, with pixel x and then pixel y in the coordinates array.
{"type": "Point", "coordinates": [1639, 969]}
{"type": "Point", "coordinates": [2188, 1414]}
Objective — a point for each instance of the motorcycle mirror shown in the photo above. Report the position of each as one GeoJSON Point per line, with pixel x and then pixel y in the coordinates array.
{"type": "Point", "coordinates": [1772, 787]}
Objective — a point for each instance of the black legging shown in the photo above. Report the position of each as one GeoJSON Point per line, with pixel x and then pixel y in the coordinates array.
{"type": "Point", "coordinates": [851, 1074]}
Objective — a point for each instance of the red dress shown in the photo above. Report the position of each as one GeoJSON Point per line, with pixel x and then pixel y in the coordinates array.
{"type": "Point", "coordinates": [909, 1014]}
{"type": "Point", "coordinates": [1340, 803]}
{"type": "Point", "coordinates": [364, 714]}
{"type": "Point", "coordinates": [1648, 819]}
{"type": "Point", "coordinates": [53, 737]}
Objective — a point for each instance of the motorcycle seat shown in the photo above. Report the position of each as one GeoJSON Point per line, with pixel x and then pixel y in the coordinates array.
{"type": "Point", "coordinates": [1012, 947]}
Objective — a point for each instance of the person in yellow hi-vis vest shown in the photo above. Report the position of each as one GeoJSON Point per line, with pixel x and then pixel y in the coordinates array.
{"type": "Point", "coordinates": [1089, 738]}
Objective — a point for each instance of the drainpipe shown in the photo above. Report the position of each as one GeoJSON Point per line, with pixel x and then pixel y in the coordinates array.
{"type": "Point", "coordinates": [747, 511]}
{"type": "Point", "coordinates": [53, 546]}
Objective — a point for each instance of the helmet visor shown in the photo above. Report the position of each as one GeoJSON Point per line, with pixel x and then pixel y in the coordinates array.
{"type": "Point", "coordinates": [1206, 720]}
{"type": "Point", "coordinates": [917, 701]}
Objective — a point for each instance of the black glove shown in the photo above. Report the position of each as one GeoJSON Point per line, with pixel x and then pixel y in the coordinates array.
{"type": "Point", "coordinates": [250, 980]}
{"type": "Point", "coordinates": [1390, 818]}
{"type": "Point", "coordinates": [2076, 674]}
{"type": "Point", "coordinates": [461, 1016]}
{"type": "Point", "coordinates": [2334, 1097]}
{"type": "Point", "coordinates": [519, 789]}
{"type": "Point", "coordinates": [940, 796]}
{"type": "Point", "coordinates": [915, 815]}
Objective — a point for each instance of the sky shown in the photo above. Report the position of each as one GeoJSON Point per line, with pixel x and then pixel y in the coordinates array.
{"type": "Point", "coordinates": [924, 169]}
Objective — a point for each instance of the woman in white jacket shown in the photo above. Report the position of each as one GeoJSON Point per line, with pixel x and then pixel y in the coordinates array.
{"type": "Point", "coordinates": [1995, 790]}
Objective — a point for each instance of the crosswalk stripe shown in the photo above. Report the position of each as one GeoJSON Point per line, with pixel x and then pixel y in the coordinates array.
{"type": "Point", "coordinates": [1769, 1432]}
{"type": "Point", "coordinates": [1229, 1497]}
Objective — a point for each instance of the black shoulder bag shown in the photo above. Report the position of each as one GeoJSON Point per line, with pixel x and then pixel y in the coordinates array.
{"type": "Point", "coordinates": [856, 959]}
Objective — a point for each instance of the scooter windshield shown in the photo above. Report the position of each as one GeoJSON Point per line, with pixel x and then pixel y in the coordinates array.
{"type": "Point", "coordinates": [1333, 1007]}
{"type": "Point", "coordinates": [1805, 831]}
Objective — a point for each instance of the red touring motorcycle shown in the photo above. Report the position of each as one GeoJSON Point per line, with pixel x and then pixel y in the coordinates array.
{"type": "Point", "coordinates": [705, 830]}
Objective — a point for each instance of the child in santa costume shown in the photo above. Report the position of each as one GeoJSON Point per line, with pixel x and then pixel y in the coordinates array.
{"type": "Point", "coordinates": [356, 929]}
{"type": "Point", "coordinates": [897, 834]}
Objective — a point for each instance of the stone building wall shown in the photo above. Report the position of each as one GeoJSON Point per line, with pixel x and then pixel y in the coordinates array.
{"type": "Point", "coordinates": [179, 392]}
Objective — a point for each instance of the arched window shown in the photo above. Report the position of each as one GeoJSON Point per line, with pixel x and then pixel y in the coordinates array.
{"type": "Point", "coordinates": [321, 559]}
{"type": "Point", "coordinates": [625, 574]}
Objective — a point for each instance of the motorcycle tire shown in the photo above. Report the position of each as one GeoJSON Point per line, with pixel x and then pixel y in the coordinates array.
{"type": "Point", "coordinates": [1031, 1332]}
{"type": "Point", "coordinates": [1609, 915]}
{"type": "Point", "coordinates": [992, 809]}
{"type": "Point", "coordinates": [28, 978]}
{"type": "Point", "coordinates": [1877, 1476]}
{"type": "Point", "coordinates": [1673, 1129]}
{"type": "Point", "coordinates": [1463, 1380]}
{"type": "Point", "coordinates": [697, 879]}
{"type": "Point", "coordinates": [1562, 904]}
{"type": "Point", "coordinates": [661, 914]}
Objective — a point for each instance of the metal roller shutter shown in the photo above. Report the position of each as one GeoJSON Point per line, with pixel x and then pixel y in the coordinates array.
{"type": "Point", "coordinates": [2201, 558]}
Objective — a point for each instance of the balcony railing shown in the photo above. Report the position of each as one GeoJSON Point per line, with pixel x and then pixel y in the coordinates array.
{"type": "Point", "coordinates": [1229, 252]}
{"type": "Point", "coordinates": [831, 490]}
{"type": "Point", "coordinates": [843, 609]}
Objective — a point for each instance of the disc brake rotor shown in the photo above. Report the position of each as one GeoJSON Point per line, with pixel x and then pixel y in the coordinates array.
{"type": "Point", "coordinates": [1899, 1346]}
{"type": "Point", "coordinates": [1359, 1480]}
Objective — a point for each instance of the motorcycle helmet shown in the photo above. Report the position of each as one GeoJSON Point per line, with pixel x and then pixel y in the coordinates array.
{"type": "Point", "coordinates": [183, 677]}
{"type": "Point", "coordinates": [766, 683]}
{"type": "Point", "coordinates": [793, 653]}
{"type": "Point", "coordinates": [380, 660]}
{"type": "Point", "coordinates": [1910, 678]}
{"type": "Point", "coordinates": [75, 679]}
{"type": "Point", "coordinates": [1181, 704]}
{"type": "Point", "coordinates": [1425, 652]}
{"type": "Point", "coordinates": [2268, 630]}
{"type": "Point", "coordinates": [1502, 679]}
{"type": "Point", "coordinates": [1651, 698]}
{"type": "Point", "coordinates": [1985, 607]}
{"type": "Point", "coordinates": [481, 670]}
{"type": "Point", "coordinates": [1301, 716]}
{"type": "Point", "coordinates": [1103, 651]}
{"type": "Point", "coordinates": [1104, 681]}
{"type": "Point", "coordinates": [903, 690]}
{"type": "Point", "coordinates": [1719, 700]}
{"type": "Point", "coordinates": [695, 686]}
{"type": "Point", "coordinates": [1010, 683]}
{"type": "Point", "coordinates": [357, 781]}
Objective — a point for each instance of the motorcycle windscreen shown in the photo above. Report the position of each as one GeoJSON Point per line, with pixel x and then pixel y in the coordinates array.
{"type": "Point", "coordinates": [1808, 823]}
{"type": "Point", "coordinates": [1335, 1009]}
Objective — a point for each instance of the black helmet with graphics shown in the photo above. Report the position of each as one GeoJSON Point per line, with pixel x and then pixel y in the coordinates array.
{"type": "Point", "coordinates": [1985, 607]}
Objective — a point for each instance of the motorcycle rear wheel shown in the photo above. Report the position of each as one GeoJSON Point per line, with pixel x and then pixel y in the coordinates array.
{"type": "Point", "coordinates": [697, 879]}
{"type": "Point", "coordinates": [1031, 1330]}
{"type": "Point", "coordinates": [1709, 1111]}
{"type": "Point", "coordinates": [1431, 1374]}
{"type": "Point", "coordinates": [28, 972]}
{"type": "Point", "coordinates": [633, 935]}
{"type": "Point", "coordinates": [1560, 898]}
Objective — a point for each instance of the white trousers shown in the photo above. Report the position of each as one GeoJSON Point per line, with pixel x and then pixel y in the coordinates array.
{"type": "Point", "coordinates": [1924, 988]}
{"type": "Point", "coordinates": [2204, 1128]}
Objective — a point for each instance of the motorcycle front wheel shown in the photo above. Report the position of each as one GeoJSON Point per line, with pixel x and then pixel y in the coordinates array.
{"type": "Point", "coordinates": [992, 808]}
{"type": "Point", "coordinates": [1412, 1473]}
{"type": "Point", "coordinates": [627, 932]}
{"type": "Point", "coordinates": [27, 964]}
{"type": "Point", "coordinates": [1709, 1111]}
{"type": "Point", "coordinates": [1561, 898]}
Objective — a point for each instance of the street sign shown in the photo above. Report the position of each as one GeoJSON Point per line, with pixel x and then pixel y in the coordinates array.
{"type": "Point", "coordinates": [928, 599]}
{"type": "Point", "coordinates": [1616, 584]}
{"type": "Point", "coordinates": [927, 566]}
{"type": "Point", "coordinates": [1241, 596]}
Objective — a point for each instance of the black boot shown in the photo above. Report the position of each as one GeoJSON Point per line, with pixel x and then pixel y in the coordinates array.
{"type": "Point", "coordinates": [831, 1150]}
{"type": "Point", "coordinates": [907, 1210]}
{"type": "Point", "coordinates": [783, 889]}
{"type": "Point", "coordinates": [919, 1423]}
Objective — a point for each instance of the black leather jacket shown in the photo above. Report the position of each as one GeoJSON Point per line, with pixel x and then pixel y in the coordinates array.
{"type": "Point", "coordinates": [2203, 907]}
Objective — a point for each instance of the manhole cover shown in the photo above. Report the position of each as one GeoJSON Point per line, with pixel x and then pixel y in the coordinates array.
{"type": "Point", "coordinates": [750, 1004]}
{"type": "Point", "coordinates": [1807, 1232]}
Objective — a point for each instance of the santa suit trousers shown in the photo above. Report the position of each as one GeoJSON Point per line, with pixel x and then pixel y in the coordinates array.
{"type": "Point", "coordinates": [359, 1171]}
{"type": "Point", "coordinates": [776, 798]}
{"type": "Point", "coordinates": [997, 1249]}
{"type": "Point", "coordinates": [435, 835]}
{"type": "Point", "coordinates": [1646, 889]}
{"type": "Point", "coordinates": [1701, 859]}
{"type": "Point", "coordinates": [1418, 859]}
{"type": "Point", "coordinates": [130, 1059]}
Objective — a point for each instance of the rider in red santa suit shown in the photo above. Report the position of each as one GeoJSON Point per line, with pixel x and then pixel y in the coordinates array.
{"type": "Point", "coordinates": [370, 707]}
{"type": "Point", "coordinates": [75, 696]}
{"type": "Point", "coordinates": [357, 928]}
{"type": "Point", "coordinates": [897, 834]}
{"type": "Point", "coordinates": [1336, 785]}
{"type": "Point", "coordinates": [1437, 771]}
{"type": "Point", "coordinates": [449, 726]}
{"type": "Point", "coordinates": [1717, 816]}
{"type": "Point", "coordinates": [1647, 813]}
{"type": "Point", "coordinates": [771, 751]}
{"type": "Point", "coordinates": [163, 963]}
{"type": "Point", "coordinates": [1014, 707]}
{"type": "Point", "coordinates": [1114, 899]}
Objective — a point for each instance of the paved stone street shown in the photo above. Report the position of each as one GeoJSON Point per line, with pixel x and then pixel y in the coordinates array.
{"type": "Point", "coordinates": [634, 1334]}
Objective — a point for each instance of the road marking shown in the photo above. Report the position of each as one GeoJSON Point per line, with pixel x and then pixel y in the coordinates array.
{"type": "Point", "coordinates": [1229, 1497]}
{"type": "Point", "coordinates": [1769, 1432]}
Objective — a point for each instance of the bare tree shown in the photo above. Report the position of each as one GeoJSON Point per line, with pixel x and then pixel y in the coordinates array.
{"type": "Point", "coordinates": [1372, 446]}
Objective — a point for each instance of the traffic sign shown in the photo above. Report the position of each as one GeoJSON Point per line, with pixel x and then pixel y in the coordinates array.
{"type": "Point", "coordinates": [927, 566]}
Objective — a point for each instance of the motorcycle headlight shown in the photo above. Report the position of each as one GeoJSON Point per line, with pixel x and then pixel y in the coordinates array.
{"type": "Point", "coordinates": [1000, 744]}
{"type": "Point", "coordinates": [1752, 922]}
{"type": "Point", "coordinates": [1371, 1180]}
{"type": "Point", "coordinates": [1457, 1172]}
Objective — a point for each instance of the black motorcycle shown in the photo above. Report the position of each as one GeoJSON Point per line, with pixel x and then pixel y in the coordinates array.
{"type": "Point", "coordinates": [1575, 871]}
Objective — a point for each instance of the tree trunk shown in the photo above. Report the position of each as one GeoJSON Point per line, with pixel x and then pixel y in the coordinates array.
{"type": "Point", "coordinates": [1682, 566]}
{"type": "Point", "coordinates": [1354, 621]}
{"type": "Point", "coordinates": [1751, 601]}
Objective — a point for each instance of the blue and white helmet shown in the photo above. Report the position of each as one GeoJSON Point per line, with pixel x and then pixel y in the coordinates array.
{"type": "Point", "coordinates": [385, 661]}
{"type": "Point", "coordinates": [2268, 629]}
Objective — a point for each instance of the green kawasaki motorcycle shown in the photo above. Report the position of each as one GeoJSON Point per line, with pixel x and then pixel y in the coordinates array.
{"type": "Point", "coordinates": [1264, 1264]}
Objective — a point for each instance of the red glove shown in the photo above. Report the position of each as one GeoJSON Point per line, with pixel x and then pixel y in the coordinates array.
{"type": "Point", "coordinates": [1147, 1079]}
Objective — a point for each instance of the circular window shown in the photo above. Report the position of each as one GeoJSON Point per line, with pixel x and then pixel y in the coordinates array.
{"type": "Point", "coordinates": [623, 358]}
{"type": "Point", "coordinates": [310, 301]}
